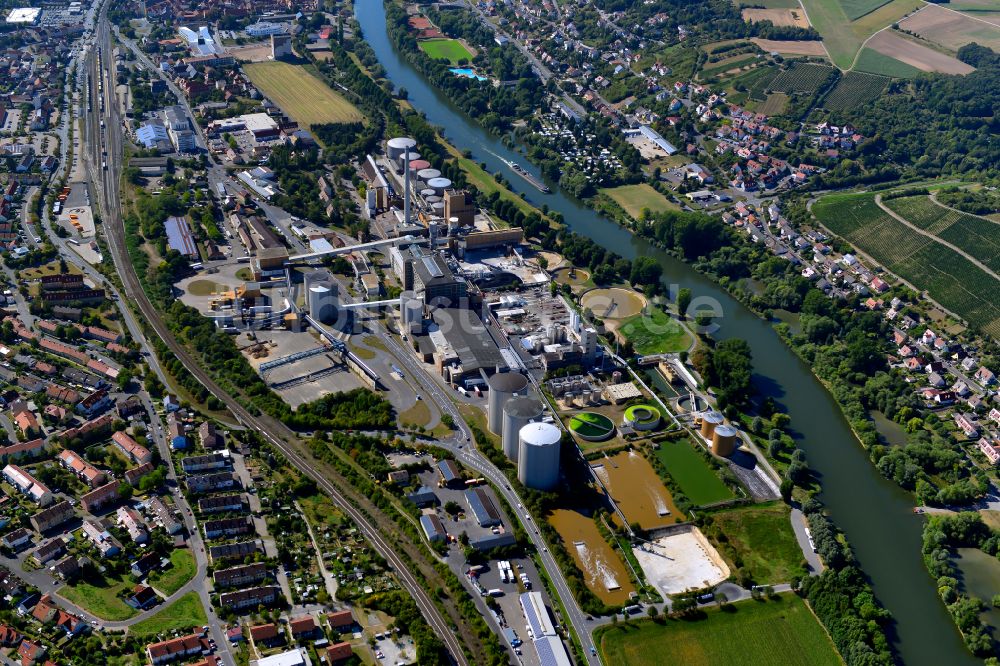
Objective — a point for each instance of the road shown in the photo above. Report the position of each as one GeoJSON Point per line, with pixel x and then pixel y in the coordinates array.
{"type": "Point", "coordinates": [266, 428]}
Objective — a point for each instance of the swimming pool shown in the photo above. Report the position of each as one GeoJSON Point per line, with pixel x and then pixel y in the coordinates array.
{"type": "Point", "coordinates": [467, 73]}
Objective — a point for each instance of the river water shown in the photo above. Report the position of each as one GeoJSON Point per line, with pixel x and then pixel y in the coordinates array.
{"type": "Point", "coordinates": [875, 514]}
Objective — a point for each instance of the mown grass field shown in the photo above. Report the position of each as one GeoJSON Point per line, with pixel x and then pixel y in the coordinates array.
{"type": "Point", "coordinates": [762, 537]}
{"type": "Point", "coordinates": [873, 62]}
{"type": "Point", "coordinates": [451, 50]}
{"type": "Point", "coordinates": [636, 198]}
{"type": "Point", "coordinates": [949, 278]}
{"type": "Point", "coordinates": [182, 569]}
{"type": "Point", "coordinates": [750, 633]}
{"type": "Point", "coordinates": [692, 473]}
{"type": "Point", "coordinates": [655, 332]}
{"type": "Point", "coordinates": [99, 595]}
{"type": "Point", "coordinates": [304, 97]}
{"type": "Point", "coordinates": [185, 613]}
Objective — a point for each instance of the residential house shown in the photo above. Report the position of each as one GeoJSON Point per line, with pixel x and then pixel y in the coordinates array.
{"type": "Point", "coordinates": [86, 472]}
{"type": "Point", "coordinates": [132, 449]}
{"type": "Point", "coordinates": [241, 576]}
{"type": "Point", "coordinates": [250, 598]}
{"type": "Point", "coordinates": [130, 520]}
{"type": "Point", "coordinates": [95, 500]}
{"type": "Point", "coordinates": [52, 517]}
{"type": "Point", "coordinates": [106, 544]}
{"type": "Point", "coordinates": [175, 648]}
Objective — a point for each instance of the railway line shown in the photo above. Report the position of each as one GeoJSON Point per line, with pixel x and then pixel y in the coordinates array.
{"type": "Point", "coordinates": [105, 137]}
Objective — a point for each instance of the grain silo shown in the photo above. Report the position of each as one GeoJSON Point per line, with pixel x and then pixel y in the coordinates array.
{"type": "Point", "coordinates": [709, 422]}
{"type": "Point", "coordinates": [503, 386]}
{"type": "Point", "coordinates": [517, 413]}
{"type": "Point", "coordinates": [538, 456]}
{"type": "Point", "coordinates": [724, 440]}
{"type": "Point", "coordinates": [397, 146]}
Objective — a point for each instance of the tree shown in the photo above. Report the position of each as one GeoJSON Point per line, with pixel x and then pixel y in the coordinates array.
{"type": "Point", "coordinates": [652, 612]}
{"type": "Point", "coordinates": [786, 490]}
{"type": "Point", "coordinates": [683, 301]}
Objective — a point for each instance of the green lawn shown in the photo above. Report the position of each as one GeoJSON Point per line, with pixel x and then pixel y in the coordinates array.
{"type": "Point", "coordinates": [185, 613]}
{"type": "Point", "coordinates": [692, 473]}
{"type": "Point", "coordinates": [750, 633]}
{"type": "Point", "coordinates": [762, 537]}
{"type": "Point", "coordinates": [182, 569]}
{"type": "Point", "coordinates": [635, 198]}
{"type": "Point", "coordinates": [451, 50]}
{"type": "Point", "coordinates": [99, 595]}
{"type": "Point", "coordinates": [655, 332]}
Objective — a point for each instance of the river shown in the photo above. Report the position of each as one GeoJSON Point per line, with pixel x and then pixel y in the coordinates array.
{"type": "Point", "coordinates": [874, 513]}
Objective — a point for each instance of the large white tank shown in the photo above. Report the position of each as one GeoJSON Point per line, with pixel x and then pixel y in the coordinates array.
{"type": "Point", "coordinates": [439, 185]}
{"type": "Point", "coordinates": [503, 386]}
{"type": "Point", "coordinates": [428, 174]}
{"type": "Point", "coordinates": [322, 298]}
{"type": "Point", "coordinates": [517, 413]}
{"type": "Point", "coordinates": [413, 157]}
{"type": "Point", "coordinates": [398, 145]}
{"type": "Point", "coordinates": [412, 312]}
{"type": "Point", "coordinates": [709, 422]}
{"type": "Point", "coordinates": [538, 456]}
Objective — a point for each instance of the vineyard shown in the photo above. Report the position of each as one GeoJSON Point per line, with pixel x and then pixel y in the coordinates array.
{"type": "Point", "coordinates": [758, 81]}
{"type": "Point", "coordinates": [976, 236]}
{"type": "Point", "coordinates": [948, 277]}
{"type": "Point", "coordinates": [801, 78]}
{"type": "Point", "coordinates": [853, 90]}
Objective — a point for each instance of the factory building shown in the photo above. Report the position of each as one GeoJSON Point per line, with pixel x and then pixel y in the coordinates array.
{"type": "Point", "coordinates": [281, 46]}
{"type": "Point", "coordinates": [464, 351]}
{"type": "Point", "coordinates": [428, 276]}
{"type": "Point", "coordinates": [538, 456]}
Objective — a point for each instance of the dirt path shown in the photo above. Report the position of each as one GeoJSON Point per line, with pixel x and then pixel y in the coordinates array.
{"type": "Point", "coordinates": [962, 212]}
{"type": "Point", "coordinates": [903, 220]}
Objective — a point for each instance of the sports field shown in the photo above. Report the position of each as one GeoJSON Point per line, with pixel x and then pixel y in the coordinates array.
{"type": "Point", "coordinates": [844, 26]}
{"type": "Point", "coordinates": [692, 473]}
{"type": "Point", "coordinates": [304, 97]}
{"type": "Point", "coordinates": [948, 277]}
{"type": "Point", "coordinates": [636, 198]}
{"type": "Point", "coordinates": [750, 633]}
{"type": "Point", "coordinates": [451, 50]}
{"type": "Point", "coordinates": [655, 332]}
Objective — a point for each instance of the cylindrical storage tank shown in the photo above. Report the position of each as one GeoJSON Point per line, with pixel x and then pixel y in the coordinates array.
{"type": "Point", "coordinates": [439, 185]}
{"type": "Point", "coordinates": [412, 312]}
{"type": "Point", "coordinates": [616, 377]}
{"type": "Point", "coordinates": [426, 192]}
{"type": "Point", "coordinates": [432, 199]}
{"type": "Point", "coordinates": [323, 302]}
{"type": "Point", "coordinates": [452, 225]}
{"type": "Point", "coordinates": [724, 440]}
{"type": "Point", "coordinates": [401, 160]}
{"type": "Point", "coordinates": [538, 456]}
{"type": "Point", "coordinates": [426, 173]}
{"type": "Point", "coordinates": [416, 166]}
{"type": "Point", "coordinates": [437, 208]}
{"type": "Point", "coordinates": [709, 422]}
{"type": "Point", "coordinates": [517, 413]}
{"type": "Point", "coordinates": [503, 385]}
{"type": "Point", "coordinates": [398, 145]}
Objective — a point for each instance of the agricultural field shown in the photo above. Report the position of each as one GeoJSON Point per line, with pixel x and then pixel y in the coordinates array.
{"type": "Point", "coordinates": [793, 17]}
{"type": "Point", "coordinates": [853, 90]}
{"type": "Point", "coordinates": [873, 62]}
{"type": "Point", "coordinates": [749, 633]}
{"type": "Point", "coordinates": [655, 332]}
{"type": "Point", "coordinates": [729, 64]}
{"type": "Point", "coordinates": [845, 26]}
{"type": "Point", "coordinates": [304, 97]}
{"type": "Point", "coordinates": [770, 4]}
{"type": "Point", "coordinates": [774, 105]}
{"type": "Point", "coordinates": [894, 45]}
{"type": "Point", "coordinates": [451, 50]}
{"type": "Point", "coordinates": [801, 78]}
{"type": "Point", "coordinates": [759, 81]}
{"type": "Point", "coordinates": [761, 536]}
{"type": "Point", "coordinates": [950, 29]}
{"type": "Point", "coordinates": [949, 278]}
{"type": "Point", "coordinates": [636, 198]}
{"type": "Point", "coordinates": [976, 236]}
{"type": "Point", "coordinates": [692, 473]}
{"type": "Point", "coordinates": [803, 47]}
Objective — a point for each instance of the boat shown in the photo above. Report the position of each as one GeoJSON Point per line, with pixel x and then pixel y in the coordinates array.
{"type": "Point", "coordinates": [519, 170]}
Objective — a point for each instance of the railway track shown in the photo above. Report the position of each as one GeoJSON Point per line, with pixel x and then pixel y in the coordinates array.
{"type": "Point", "coordinates": [265, 427]}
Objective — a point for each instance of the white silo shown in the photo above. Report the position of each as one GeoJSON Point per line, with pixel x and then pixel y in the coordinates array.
{"type": "Point", "coordinates": [517, 413]}
{"type": "Point", "coordinates": [398, 145]}
{"type": "Point", "coordinates": [439, 185]}
{"type": "Point", "coordinates": [407, 157]}
{"type": "Point", "coordinates": [428, 174]}
{"type": "Point", "coordinates": [452, 225]}
{"type": "Point", "coordinates": [538, 456]}
{"type": "Point", "coordinates": [503, 386]}
{"type": "Point", "coordinates": [322, 299]}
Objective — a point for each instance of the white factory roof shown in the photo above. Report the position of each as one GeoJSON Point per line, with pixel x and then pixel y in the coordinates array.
{"type": "Point", "coordinates": [290, 658]}
{"type": "Point", "coordinates": [320, 245]}
{"type": "Point", "coordinates": [257, 122]}
{"type": "Point", "coordinates": [536, 614]}
{"type": "Point", "coordinates": [24, 15]}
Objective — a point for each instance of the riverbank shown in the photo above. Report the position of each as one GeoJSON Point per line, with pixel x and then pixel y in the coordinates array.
{"type": "Point", "coordinates": [875, 515]}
